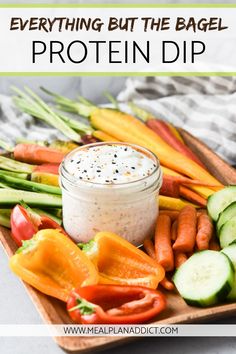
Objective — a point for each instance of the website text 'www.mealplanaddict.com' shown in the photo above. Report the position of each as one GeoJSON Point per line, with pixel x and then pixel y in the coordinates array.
{"type": "Point", "coordinates": [121, 330]}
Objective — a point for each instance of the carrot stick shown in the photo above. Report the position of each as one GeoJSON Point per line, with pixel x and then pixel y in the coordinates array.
{"type": "Point", "coordinates": [126, 128]}
{"type": "Point", "coordinates": [186, 231]}
{"type": "Point", "coordinates": [192, 196]}
{"type": "Point", "coordinates": [175, 132]}
{"type": "Point", "coordinates": [170, 187]}
{"type": "Point", "coordinates": [167, 284]}
{"type": "Point", "coordinates": [180, 258]}
{"type": "Point", "coordinates": [37, 154]}
{"type": "Point", "coordinates": [174, 228]}
{"type": "Point", "coordinates": [149, 248]}
{"type": "Point", "coordinates": [214, 244]}
{"type": "Point", "coordinates": [48, 168]}
{"type": "Point", "coordinates": [204, 232]}
{"type": "Point", "coordinates": [173, 214]}
{"type": "Point", "coordinates": [163, 249]}
{"type": "Point", "coordinates": [173, 203]}
{"type": "Point", "coordinates": [162, 129]}
{"type": "Point", "coordinates": [188, 181]}
{"type": "Point", "coordinates": [98, 134]}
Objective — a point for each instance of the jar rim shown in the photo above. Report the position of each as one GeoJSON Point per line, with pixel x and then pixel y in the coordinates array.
{"type": "Point", "coordinates": [64, 173]}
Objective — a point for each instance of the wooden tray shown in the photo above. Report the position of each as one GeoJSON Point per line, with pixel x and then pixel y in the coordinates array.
{"type": "Point", "coordinates": [53, 311]}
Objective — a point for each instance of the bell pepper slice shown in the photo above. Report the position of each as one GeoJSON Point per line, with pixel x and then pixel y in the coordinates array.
{"type": "Point", "coordinates": [53, 264]}
{"type": "Point", "coordinates": [114, 304]}
{"type": "Point", "coordinates": [25, 223]}
{"type": "Point", "coordinates": [120, 262]}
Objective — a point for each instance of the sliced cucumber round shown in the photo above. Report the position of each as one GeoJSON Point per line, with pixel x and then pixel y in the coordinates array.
{"type": "Point", "coordinates": [225, 216]}
{"type": "Point", "coordinates": [218, 201]}
{"type": "Point", "coordinates": [227, 233]}
{"type": "Point", "coordinates": [205, 279]}
{"type": "Point", "coordinates": [230, 251]}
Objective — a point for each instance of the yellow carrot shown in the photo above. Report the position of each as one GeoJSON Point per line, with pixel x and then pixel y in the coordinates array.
{"type": "Point", "coordinates": [100, 135]}
{"type": "Point", "coordinates": [125, 127]}
{"type": "Point", "coordinates": [173, 203]}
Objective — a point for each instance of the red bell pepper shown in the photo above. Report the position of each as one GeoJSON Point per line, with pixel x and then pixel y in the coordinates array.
{"type": "Point", "coordinates": [114, 304]}
{"type": "Point", "coordinates": [25, 223]}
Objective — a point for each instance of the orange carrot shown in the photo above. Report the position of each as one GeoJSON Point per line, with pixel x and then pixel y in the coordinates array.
{"type": "Point", "coordinates": [174, 230]}
{"type": "Point", "coordinates": [167, 284]}
{"type": "Point", "coordinates": [163, 249]}
{"type": "Point", "coordinates": [192, 196]}
{"type": "Point", "coordinates": [37, 154]}
{"type": "Point", "coordinates": [162, 129]}
{"type": "Point", "coordinates": [214, 244]}
{"type": "Point", "coordinates": [149, 248]}
{"type": "Point", "coordinates": [173, 214]}
{"type": "Point", "coordinates": [180, 258]}
{"type": "Point", "coordinates": [188, 181]}
{"type": "Point", "coordinates": [52, 168]}
{"type": "Point", "coordinates": [170, 187]}
{"type": "Point", "coordinates": [186, 231]}
{"type": "Point", "coordinates": [204, 232]}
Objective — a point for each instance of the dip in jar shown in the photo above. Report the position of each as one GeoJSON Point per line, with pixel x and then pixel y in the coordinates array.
{"type": "Point", "coordinates": [110, 187]}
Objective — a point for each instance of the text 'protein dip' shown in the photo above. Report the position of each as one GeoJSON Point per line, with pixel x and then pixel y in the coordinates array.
{"type": "Point", "coordinates": [110, 187]}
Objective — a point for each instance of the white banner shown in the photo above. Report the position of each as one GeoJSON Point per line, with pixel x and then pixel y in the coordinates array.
{"type": "Point", "coordinates": [150, 330]}
{"type": "Point", "coordinates": [117, 40]}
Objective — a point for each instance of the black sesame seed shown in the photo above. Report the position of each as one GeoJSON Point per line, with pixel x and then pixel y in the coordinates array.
{"type": "Point", "coordinates": [126, 149]}
{"type": "Point", "coordinates": [71, 160]}
{"type": "Point", "coordinates": [113, 163]}
{"type": "Point", "coordinates": [85, 171]}
{"type": "Point", "coordinates": [114, 179]}
{"type": "Point", "coordinates": [133, 168]}
{"type": "Point", "coordinates": [115, 155]}
{"type": "Point", "coordinates": [107, 181]}
{"type": "Point", "coordinates": [78, 162]}
{"type": "Point", "coordinates": [98, 171]}
{"type": "Point", "coordinates": [117, 171]}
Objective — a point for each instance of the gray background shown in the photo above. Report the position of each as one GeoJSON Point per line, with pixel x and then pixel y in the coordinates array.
{"type": "Point", "coordinates": [16, 307]}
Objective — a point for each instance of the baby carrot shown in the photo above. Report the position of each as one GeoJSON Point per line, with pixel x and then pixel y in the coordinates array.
{"type": "Point", "coordinates": [186, 231]}
{"type": "Point", "coordinates": [167, 284]}
{"type": "Point", "coordinates": [163, 249]}
{"type": "Point", "coordinates": [180, 258]}
{"type": "Point", "coordinates": [173, 214]}
{"type": "Point", "coordinates": [174, 230]}
{"type": "Point", "coordinates": [149, 248]}
{"type": "Point", "coordinates": [204, 232]}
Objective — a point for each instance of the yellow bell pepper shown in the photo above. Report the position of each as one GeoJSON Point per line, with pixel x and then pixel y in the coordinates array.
{"type": "Point", "coordinates": [53, 264]}
{"type": "Point", "coordinates": [119, 262]}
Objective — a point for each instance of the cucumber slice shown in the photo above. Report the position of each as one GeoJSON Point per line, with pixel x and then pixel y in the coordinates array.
{"type": "Point", "coordinates": [11, 197]}
{"type": "Point", "coordinates": [230, 251]}
{"type": "Point", "coordinates": [205, 278]}
{"type": "Point", "coordinates": [227, 233]}
{"type": "Point", "coordinates": [218, 201]}
{"type": "Point", "coordinates": [225, 216]}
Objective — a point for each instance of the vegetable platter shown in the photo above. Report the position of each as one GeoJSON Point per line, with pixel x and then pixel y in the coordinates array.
{"type": "Point", "coordinates": [29, 177]}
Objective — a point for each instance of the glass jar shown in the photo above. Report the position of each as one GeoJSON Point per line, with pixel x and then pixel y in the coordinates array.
{"type": "Point", "coordinates": [127, 209]}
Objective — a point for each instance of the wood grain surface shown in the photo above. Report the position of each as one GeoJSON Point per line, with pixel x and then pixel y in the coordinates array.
{"type": "Point", "coordinates": [53, 311]}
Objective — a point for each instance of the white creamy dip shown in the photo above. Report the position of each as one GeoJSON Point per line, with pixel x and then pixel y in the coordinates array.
{"type": "Point", "coordinates": [110, 187]}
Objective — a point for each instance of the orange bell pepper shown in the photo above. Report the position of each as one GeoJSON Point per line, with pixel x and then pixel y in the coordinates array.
{"type": "Point", "coordinates": [53, 264]}
{"type": "Point", "coordinates": [120, 262]}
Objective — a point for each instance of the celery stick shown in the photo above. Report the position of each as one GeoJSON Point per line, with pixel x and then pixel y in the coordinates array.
{"type": "Point", "coordinates": [5, 215]}
{"type": "Point", "coordinates": [11, 197]}
{"type": "Point", "coordinates": [18, 183]}
{"type": "Point", "coordinates": [15, 166]}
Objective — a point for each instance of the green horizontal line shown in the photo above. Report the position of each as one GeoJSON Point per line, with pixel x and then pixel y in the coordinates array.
{"type": "Point", "coordinates": [117, 6]}
{"type": "Point", "coordinates": [118, 73]}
